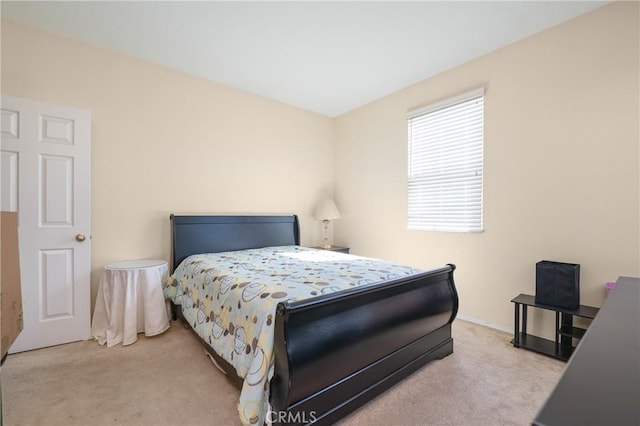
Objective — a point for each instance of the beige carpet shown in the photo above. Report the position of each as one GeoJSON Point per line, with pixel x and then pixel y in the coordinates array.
{"type": "Point", "coordinates": [167, 380]}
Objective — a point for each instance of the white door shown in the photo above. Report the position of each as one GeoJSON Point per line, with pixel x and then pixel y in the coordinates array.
{"type": "Point", "coordinates": [46, 178]}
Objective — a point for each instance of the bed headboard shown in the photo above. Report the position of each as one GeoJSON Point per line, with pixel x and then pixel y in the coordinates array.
{"type": "Point", "coordinates": [213, 234]}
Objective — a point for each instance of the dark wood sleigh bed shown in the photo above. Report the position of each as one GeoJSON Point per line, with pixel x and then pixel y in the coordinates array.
{"type": "Point", "coordinates": [334, 352]}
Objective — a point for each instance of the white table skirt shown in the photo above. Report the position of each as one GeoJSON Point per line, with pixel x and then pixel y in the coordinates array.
{"type": "Point", "coordinates": [130, 301]}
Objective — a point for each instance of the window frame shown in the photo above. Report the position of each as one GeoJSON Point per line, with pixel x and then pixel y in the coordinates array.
{"type": "Point", "coordinates": [469, 172]}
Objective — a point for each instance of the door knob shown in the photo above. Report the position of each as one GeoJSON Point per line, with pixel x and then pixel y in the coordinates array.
{"type": "Point", "coordinates": [80, 237]}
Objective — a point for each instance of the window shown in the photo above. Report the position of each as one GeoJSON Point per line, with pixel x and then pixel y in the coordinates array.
{"type": "Point", "coordinates": [445, 165]}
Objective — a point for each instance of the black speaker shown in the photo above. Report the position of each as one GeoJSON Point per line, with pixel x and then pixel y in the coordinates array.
{"type": "Point", "coordinates": [558, 284]}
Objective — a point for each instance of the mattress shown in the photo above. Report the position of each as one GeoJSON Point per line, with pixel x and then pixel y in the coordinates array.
{"type": "Point", "coordinates": [230, 300]}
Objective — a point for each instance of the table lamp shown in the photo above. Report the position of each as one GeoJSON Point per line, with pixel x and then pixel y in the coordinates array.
{"type": "Point", "coordinates": [326, 211]}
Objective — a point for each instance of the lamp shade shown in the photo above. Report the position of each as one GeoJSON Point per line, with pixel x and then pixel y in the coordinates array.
{"type": "Point", "coordinates": [326, 210]}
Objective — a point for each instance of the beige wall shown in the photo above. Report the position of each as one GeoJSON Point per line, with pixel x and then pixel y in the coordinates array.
{"type": "Point", "coordinates": [165, 142]}
{"type": "Point", "coordinates": [561, 166]}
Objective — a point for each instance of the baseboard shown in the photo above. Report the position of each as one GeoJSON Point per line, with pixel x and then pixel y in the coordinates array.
{"type": "Point", "coordinates": [485, 323]}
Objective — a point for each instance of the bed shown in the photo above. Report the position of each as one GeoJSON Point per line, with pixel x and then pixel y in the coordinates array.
{"type": "Point", "coordinates": [330, 352]}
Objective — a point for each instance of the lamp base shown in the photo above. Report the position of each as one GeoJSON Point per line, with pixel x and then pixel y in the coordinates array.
{"type": "Point", "coordinates": [325, 238]}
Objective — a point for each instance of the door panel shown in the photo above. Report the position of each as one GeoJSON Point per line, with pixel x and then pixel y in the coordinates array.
{"type": "Point", "coordinates": [56, 280]}
{"type": "Point", "coordinates": [56, 187]}
{"type": "Point", "coordinates": [9, 181]}
{"type": "Point", "coordinates": [9, 123]}
{"type": "Point", "coordinates": [56, 130]}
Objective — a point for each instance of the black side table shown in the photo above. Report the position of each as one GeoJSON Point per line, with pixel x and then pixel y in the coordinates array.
{"type": "Point", "coordinates": [562, 347]}
{"type": "Point", "coordinates": [334, 248]}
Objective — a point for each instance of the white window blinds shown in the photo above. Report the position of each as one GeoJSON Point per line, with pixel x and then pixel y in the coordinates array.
{"type": "Point", "coordinates": [445, 165]}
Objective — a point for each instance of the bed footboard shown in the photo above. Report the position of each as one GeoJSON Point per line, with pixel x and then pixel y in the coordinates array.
{"type": "Point", "coordinates": [333, 353]}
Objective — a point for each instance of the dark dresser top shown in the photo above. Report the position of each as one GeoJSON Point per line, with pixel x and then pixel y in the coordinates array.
{"type": "Point", "coordinates": [601, 383]}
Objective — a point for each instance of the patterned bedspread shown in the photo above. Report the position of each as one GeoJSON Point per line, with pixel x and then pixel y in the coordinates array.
{"type": "Point", "coordinates": [230, 300]}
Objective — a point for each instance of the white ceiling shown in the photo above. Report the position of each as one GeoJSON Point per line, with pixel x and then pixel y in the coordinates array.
{"type": "Point", "coordinates": [328, 57]}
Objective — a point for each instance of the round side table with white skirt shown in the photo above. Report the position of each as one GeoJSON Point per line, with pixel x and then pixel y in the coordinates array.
{"type": "Point", "coordinates": [130, 300]}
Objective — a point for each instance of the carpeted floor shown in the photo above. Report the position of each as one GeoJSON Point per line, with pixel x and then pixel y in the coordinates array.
{"type": "Point", "coordinates": [167, 380]}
